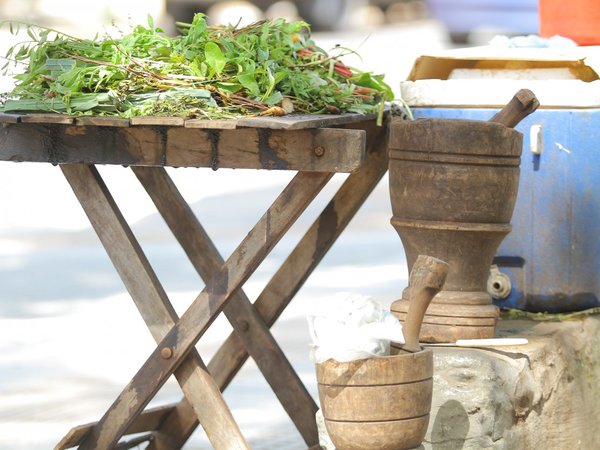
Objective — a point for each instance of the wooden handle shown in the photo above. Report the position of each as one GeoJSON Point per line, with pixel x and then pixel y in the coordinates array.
{"type": "Point", "coordinates": [520, 106]}
{"type": "Point", "coordinates": [426, 279]}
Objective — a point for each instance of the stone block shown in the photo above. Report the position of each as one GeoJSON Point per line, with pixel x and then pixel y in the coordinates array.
{"type": "Point", "coordinates": [542, 395]}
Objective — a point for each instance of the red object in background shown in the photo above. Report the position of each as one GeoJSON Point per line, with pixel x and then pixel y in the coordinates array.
{"type": "Point", "coordinates": [576, 19]}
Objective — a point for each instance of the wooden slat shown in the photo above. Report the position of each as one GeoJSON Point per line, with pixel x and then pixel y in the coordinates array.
{"type": "Point", "coordinates": [134, 442]}
{"type": "Point", "coordinates": [156, 310]}
{"type": "Point", "coordinates": [202, 312]}
{"type": "Point", "coordinates": [149, 421]}
{"type": "Point", "coordinates": [325, 149]}
{"type": "Point", "coordinates": [99, 121]}
{"type": "Point", "coordinates": [156, 120]}
{"type": "Point", "coordinates": [322, 150]}
{"type": "Point", "coordinates": [60, 144]}
{"type": "Point", "coordinates": [302, 121]}
{"type": "Point", "coordinates": [302, 261]}
{"type": "Point", "coordinates": [48, 118]}
{"type": "Point", "coordinates": [289, 122]}
{"type": "Point", "coordinates": [257, 339]}
{"type": "Point", "coordinates": [215, 124]}
{"type": "Point", "coordinates": [10, 118]}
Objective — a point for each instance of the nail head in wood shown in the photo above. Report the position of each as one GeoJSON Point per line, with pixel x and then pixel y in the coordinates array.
{"type": "Point", "coordinates": [243, 325]}
{"type": "Point", "coordinates": [166, 353]}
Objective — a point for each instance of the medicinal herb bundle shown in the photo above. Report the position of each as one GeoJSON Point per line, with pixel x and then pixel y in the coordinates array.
{"type": "Point", "coordinates": [267, 68]}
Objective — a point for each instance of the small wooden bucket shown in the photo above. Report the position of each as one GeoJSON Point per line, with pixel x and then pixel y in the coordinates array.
{"type": "Point", "coordinates": [377, 403]}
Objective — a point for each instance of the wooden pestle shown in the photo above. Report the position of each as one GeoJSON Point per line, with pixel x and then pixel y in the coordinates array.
{"type": "Point", "coordinates": [426, 279]}
{"type": "Point", "coordinates": [520, 106]}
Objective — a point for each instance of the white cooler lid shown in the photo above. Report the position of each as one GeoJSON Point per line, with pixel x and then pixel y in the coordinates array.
{"type": "Point", "coordinates": [490, 76]}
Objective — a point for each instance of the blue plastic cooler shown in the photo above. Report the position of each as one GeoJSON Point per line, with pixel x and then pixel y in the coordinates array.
{"type": "Point", "coordinates": [552, 255]}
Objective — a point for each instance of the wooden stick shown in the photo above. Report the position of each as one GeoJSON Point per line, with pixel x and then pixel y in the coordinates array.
{"type": "Point", "coordinates": [520, 106]}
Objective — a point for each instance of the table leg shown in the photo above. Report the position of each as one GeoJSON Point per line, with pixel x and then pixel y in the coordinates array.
{"type": "Point", "coordinates": [300, 263]}
{"type": "Point", "coordinates": [152, 302]}
{"type": "Point", "coordinates": [309, 252]}
{"type": "Point", "coordinates": [248, 325]}
{"type": "Point", "coordinates": [178, 342]}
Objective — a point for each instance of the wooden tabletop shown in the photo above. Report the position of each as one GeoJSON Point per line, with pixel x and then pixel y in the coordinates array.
{"type": "Point", "coordinates": [293, 142]}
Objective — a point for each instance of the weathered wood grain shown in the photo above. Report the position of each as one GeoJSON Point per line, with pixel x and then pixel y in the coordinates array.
{"type": "Point", "coordinates": [134, 441]}
{"type": "Point", "coordinates": [10, 118]}
{"type": "Point", "coordinates": [248, 325]}
{"type": "Point", "coordinates": [289, 122]}
{"type": "Point", "coordinates": [156, 310]}
{"type": "Point", "coordinates": [149, 421]}
{"type": "Point", "coordinates": [320, 150]}
{"type": "Point", "coordinates": [156, 120]}
{"type": "Point", "coordinates": [47, 118]}
{"type": "Point", "coordinates": [329, 149]}
{"type": "Point", "coordinates": [302, 121]}
{"type": "Point", "coordinates": [99, 121]}
{"type": "Point", "coordinates": [67, 144]}
{"type": "Point", "coordinates": [202, 312]}
{"type": "Point", "coordinates": [216, 124]}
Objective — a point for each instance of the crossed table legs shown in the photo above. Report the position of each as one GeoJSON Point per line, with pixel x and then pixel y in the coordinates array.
{"type": "Point", "coordinates": [170, 427]}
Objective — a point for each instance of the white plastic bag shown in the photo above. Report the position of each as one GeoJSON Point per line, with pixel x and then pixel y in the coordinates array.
{"type": "Point", "coordinates": [351, 327]}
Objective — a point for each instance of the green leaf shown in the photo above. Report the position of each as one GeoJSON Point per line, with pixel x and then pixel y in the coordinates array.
{"type": "Point", "coordinates": [23, 51]}
{"type": "Point", "coordinates": [249, 82]}
{"type": "Point", "coordinates": [151, 73]}
{"type": "Point", "coordinates": [59, 64]}
{"type": "Point", "coordinates": [232, 88]}
{"type": "Point", "coordinates": [280, 76]}
{"type": "Point", "coordinates": [161, 51]}
{"type": "Point", "coordinates": [195, 68]}
{"type": "Point", "coordinates": [214, 57]}
{"type": "Point", "coordinates": [375, 82]}
{"type": "Point", "coordinates": [34, 105]}
{"type": "Point", "coordinates": [273, 99]}
{"type": "Point", "coordinates": [263, 54]}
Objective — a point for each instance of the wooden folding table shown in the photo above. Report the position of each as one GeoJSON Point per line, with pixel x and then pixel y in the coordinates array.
{"type": "Point", "coordinates": [316, 147]}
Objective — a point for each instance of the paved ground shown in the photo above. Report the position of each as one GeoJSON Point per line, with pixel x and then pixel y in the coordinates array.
{"type": "Point", "coordinates": [70, 337]}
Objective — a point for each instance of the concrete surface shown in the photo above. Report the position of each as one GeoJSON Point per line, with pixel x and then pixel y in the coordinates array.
{"type": "Point", "coordinates": [543, 395]}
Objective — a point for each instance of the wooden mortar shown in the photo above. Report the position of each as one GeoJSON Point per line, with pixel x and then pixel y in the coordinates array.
{"type": "Point", "coordinates": [453, 187]}
{"type": "Point", "coordinates": [383, 403]}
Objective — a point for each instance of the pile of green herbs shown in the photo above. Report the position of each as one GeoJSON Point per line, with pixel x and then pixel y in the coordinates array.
{"type": "Point", "coordinates": [267, 68]}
